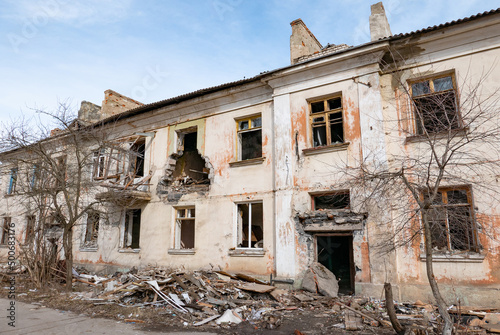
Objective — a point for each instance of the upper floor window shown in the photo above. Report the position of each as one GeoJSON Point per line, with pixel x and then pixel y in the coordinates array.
{"type": "Point", "coordinates": [435, 104]}
{"type": "Point", "coordinates": [249, 137]}
{"type": "Point", "coordinates": [327, 121]}
{"type": "Point", "coordinates": [99, 163]}
{"type": "Point", "coordinates": [12, 181]}
{"type": "Point", "coordinates": [451, 219]}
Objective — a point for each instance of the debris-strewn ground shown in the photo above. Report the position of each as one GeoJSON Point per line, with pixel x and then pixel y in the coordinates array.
{"type": "Point", "coordinates": [161, 299]}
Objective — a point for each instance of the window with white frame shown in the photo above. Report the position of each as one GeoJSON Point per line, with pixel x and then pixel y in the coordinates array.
{"type": "Point", "coordinates": [184, 235]}
{"type": "Point", "coordinates": [250, 225]}
{"type": "Point", "coordinates": [249, 137]}
{"type": "Point", "coordinates": [132, 228]}
{"type": "Point", "coordinates": [99, 163]}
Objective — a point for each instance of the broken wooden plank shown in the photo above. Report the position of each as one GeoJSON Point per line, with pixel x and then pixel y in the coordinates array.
{"type": "Point", "coordinates": [250, 279]}
{"type": "Point", "coordinates": [254, 287]}
{"type": "Point", "coordinates": [362, 314]}
{"type": "Point", "coordinates": [202, 322]}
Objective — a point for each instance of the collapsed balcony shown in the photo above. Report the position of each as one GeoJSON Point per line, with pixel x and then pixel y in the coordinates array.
{"type": "Point", "coordinates": [122, 170]}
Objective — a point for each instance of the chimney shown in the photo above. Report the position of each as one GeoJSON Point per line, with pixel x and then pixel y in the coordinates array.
{"type": "Point", "coordinates": [115, 103]}
{"type": "Point", "coordinates": [379, 26]}
{"type": "Point", "coordinates": [89, 112]}
{"type": "Point", "coordinates": [302, 41]}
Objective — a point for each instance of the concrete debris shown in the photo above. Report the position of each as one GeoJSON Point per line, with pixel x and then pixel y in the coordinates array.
{"type": "Point", "coordinates": [220, 299]}
{"type": "Point", "coordinates": [318, 279]}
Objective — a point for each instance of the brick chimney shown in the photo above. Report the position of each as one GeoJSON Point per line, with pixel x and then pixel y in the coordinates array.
{"type": "Point", "coordinates": [379, 26]}
{"type": "Point", "coordinates": [302, 41]}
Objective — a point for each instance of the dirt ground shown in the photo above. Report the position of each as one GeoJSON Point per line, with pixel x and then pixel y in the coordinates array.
{"type": "Point", "coordinates": [317, 318]}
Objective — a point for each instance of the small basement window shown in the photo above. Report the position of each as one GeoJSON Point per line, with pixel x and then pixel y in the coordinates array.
{"type": "Point", "coordinates": [336, 200]}
{"type": "Point", "coordinates": [250, 225]}
{"type": "Point", "coordinates": [185, 228]}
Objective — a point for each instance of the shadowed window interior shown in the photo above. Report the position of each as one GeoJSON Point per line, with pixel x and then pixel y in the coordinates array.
{"type": "Point", "coordinates": [132, 228]}
{"type": "Point", "coordinates": [435, 105]}
{"type": "Point", "coordinates": [250, 225]}
{"type": "Point", "coordinates": [327, 121]}
{"type": "Point", "coordinates": [249, 138]}
{"type": "Point", "coordinates": [185, 228]}
{"type": "Point", "coordinates": [451, 220]}
{"type": "Point", "coordinates": [335, 200]}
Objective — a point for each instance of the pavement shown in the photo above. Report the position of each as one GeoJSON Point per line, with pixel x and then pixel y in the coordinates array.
{"type": "Point", "coordinates": [36, 319]}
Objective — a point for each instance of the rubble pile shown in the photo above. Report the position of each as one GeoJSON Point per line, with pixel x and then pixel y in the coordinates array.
{"type": "Point", "coordinates": [221, 299]}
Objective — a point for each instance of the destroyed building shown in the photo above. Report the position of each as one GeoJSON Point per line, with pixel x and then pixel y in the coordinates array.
{"type": "Point", "coordinates": [250, 176]}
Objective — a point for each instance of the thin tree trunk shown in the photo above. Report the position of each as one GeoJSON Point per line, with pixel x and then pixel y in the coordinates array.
{"type": "Point", "coordinates": [68, 254]}
{"type": "Point", "coordinates": [442, 306]}
{"type": "Point", "coordinates": [391, 311]}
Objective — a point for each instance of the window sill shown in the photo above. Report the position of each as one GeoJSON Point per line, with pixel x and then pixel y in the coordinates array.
{"type": "Point", "coordinates": [457, 258]}
{"type": "Point", "coordinates": [243, 252]}
{"type": "Point", "coordinates": [435, 136]}
{"type": "Point", "coordinates": [253, 161]}
{"type": "Point", "coordinates": [130, 251]}
{"type": "Point", "coordinates": [326, 148]}
{"type": "Point", "coordinates": [181, 251]}
{"type": "Point", "coordinates": [88, 249]}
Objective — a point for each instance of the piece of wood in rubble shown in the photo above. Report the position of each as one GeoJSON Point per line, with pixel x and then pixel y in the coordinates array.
{"type": "Point", "coordinates": [303, 298]}
{"type": "Point", "coordinates": [254, 287]}
{"type": "Point", "coordinates": [224, 273]}
{"type": "Point", "coordinates": [250, 279]}
{"type": "Point", "coordinates": [193, 280]}
{"type": "Point", "coordinates": [117, 289]}
{"type": "Point", "coordinates": [209, 288]}
{"type": "Point", "coordinates": [220, 302]}
{"type": "Point", "coordinates": [352, 321]}
{"type": "Point", "coordinates": [179, 281]}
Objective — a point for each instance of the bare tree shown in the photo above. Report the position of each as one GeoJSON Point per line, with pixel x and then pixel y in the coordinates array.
{"type": "Point", "coordinates": [444, 142]}
{"type": "Point", "coordinates": [53, 182]}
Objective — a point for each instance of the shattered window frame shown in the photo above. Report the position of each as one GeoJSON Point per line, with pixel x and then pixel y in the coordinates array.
{"type": "Point", "coordinates": [184, 216]}
{"type": "Point", "coordinates": [326, 118]}
{"type": "Point", "coordinates": [92, 226]}
{"type": "Point", "coordinates": [6, 221]}
{"type": "Point", "coordinates": [252, 226]}
{"type": "Point", "coordinates": [249, 136]}
{"type": "Point", "coordinates": [435, 104]}
{"type": "Point", "coordinates": [99, 159]}
{"type": "Point", "coordinates": [452, 220]}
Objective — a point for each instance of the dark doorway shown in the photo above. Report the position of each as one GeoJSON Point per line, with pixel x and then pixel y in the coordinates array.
{"type": "Point", "coordinates": [335, 253]}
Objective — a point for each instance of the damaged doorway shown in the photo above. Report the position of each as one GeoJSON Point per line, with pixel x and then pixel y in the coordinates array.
{"type": "Point", "coordinates": [335, 252]}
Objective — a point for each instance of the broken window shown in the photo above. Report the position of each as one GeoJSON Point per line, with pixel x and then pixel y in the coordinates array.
{"type": "Point", "coordinates": [250, 225]}
{"type": "Point", "coordinates": [137, 150]}
{"type": "Point", "coordinates": [327, 121]}
{"type": "Point", "coordinates": [12, 181]}
{"type": "Point", "coordinates": [30, 228]}
{"type": "Point", "coordinates": [34, 177]}
{"type": "Point", "coordinates": [336, 200]}
{"type": "Point", "coordinates": [451, 220]}
{"type": "Point", "coordinates": [132, 229]}
{"type": "Point", "coordinates": [5, 230]}
{"type": "Point", "coordinates": [99, 163]}
{"type": "Point", "coordinates": [92, 229]}
{"type": "Point", "coordinates": [60, 172]}
{"type": "Point", "coordinates": [435, 105]}
{"type": "Point", "coordinates": [249, 138]}
{"type": "Point", "coordinates": [184, 228]}
{"type": "Point", "coordinates": [190, 167]}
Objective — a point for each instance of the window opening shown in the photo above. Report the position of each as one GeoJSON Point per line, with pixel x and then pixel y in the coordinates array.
{"type": "Point", "coordinates": [12, 181]}
{"type": "Point", "coordinates": [250, 225]}
{"type": "Point", "coordinates": [137, 158]}
{"type": "Point", "coordinates": [337, 200]}
{"type": "Point", "coordinates": [249, 138]}
{"type": "Point", "coordinates": [30, 228]}
{"type": "Point", "coordinates": [451, 220]}
{"type": "Point", "coordinates": [327, 122]}
{"type": "Point", "coordinates": [92, 228]}
{"type": "Point", "coordinates": [132, 228]}
{"type": "Point", "coordinates": [185, 228]}
{"type": "Point", "coordinates": [5, 230]}
{"type": "Point", "coordinates": [190, 166]}
{"type": "Point", "coordinates": [435, 105]}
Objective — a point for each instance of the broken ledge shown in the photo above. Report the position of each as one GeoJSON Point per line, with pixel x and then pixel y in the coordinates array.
{"type": "Point", "coordinates": [247, 252]}
{"type": "Point", "coordinates": [130, 251]}
{"type": "Point", "coordinates": [181, 251]}
{"type": "Point", "coordinates": [457, 258]}
{"type": "Point", "coordinates": [253, 161]}
{"type": "Point", "coordinates": [88, 249]}
{"type": "Point", "coordinates": [326, 148]}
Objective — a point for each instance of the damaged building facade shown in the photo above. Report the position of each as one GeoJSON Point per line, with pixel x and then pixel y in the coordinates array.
{"type": "Point", "coordinates": [253, 176]}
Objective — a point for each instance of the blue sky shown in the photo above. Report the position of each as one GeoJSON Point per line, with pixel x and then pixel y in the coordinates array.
{"type": "Point", "coordinates": [69, 50]}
